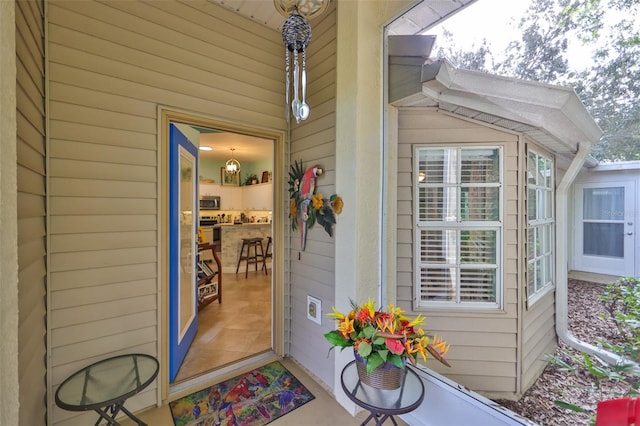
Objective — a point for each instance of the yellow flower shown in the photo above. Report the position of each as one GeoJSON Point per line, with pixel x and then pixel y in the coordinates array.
{"type": "Point", "coordinates": [371, 307]}
{"type": "Point", "coordinates": [293, 209]}
{"type": "Point", "coordinates": [317, 201]}
{"type": "Point", "coordinates": [396, 311]}
{"type": "Point", "coordinates": [336, 314]}
{"type": "Point", "coordinates": [419, 320]}
{"type": "Point", "coordinates": [421, 347]}
{"type": "Point", "coordinates": [346, 327]}
{"type": "Point", "coordinates": [337, 205]}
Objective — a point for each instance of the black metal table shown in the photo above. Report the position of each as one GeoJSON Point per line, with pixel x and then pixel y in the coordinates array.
{"type": "Point", "coordinates": [105, 386]}
{"type": "Point", "coordinates": [383, 404]}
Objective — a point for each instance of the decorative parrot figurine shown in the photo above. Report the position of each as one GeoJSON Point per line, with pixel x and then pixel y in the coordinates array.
{"type": "Point", "coordinates": [307, 189]}
{"type": "Point", "coordinates": [307, 207]}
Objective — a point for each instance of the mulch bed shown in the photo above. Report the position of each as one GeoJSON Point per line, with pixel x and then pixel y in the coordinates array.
{"type": "Point", "coordinates": [575, 388]}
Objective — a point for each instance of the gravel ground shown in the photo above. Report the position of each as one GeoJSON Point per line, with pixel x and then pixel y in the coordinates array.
{"type": "Point", "coordinates": [537, 403]}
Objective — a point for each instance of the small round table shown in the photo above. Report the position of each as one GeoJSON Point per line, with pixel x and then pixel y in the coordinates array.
{"type": "Point", "coordinates": [383, 404]}
{"type": "Point", "coordinates": [105, 386]}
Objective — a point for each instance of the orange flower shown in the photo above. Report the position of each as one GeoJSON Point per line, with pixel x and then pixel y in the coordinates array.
{"type": "Point", "coordinates": [337, 205]}
{"type": "Point", "coordinates": [318, 201]}
{"type": "Point", "coordinates": [386, 324]}
{"type": "Point", "coordinates": [440, 345]}
{"type": "Point", "coordinates": [346, 327]}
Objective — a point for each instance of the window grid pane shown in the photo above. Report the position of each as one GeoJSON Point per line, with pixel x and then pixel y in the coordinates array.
{"type": "Point", "coordinates": [442, 284]}
{"type": "Point", "coordinates": [540, 238]}
{"type": "Point", "coordinates": [458, 188]}
{"type": "Point", "coordinates": [477, 285]}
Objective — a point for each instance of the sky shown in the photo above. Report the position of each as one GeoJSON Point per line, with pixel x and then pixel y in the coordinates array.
{"type": "Point", "coordinates": [497, 21]}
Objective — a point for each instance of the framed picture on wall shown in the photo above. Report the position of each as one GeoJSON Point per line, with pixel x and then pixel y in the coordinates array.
{"type": "Point", "coordinates": [228, 179]}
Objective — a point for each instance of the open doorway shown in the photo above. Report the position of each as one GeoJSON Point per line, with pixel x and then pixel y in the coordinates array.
{"type": "Point", "coordinates": [236, 204]}
{"type": "Point", "coordinates": [244, 319]}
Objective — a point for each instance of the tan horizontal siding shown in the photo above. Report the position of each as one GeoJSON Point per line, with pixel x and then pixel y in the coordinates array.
{"type": "Point", "coordinates": [111, 65]}
{"type": "Point", "coordinates": [539, 337]}
{"type": "Point", "coordinates": [483, 343]}
{"type": "Point", "coordinates": [313, 142]}
{"type": "Point", "coordinates": [31, 211]}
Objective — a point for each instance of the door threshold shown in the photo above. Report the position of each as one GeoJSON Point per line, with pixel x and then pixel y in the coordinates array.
{"type": "Point", "coordinates": [186, 387]}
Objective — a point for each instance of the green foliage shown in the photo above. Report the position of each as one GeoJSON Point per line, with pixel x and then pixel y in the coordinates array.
{"type": "Point", "coordinates": [621, 300]}
{"type": "Point", "coordinates": [609, 88]}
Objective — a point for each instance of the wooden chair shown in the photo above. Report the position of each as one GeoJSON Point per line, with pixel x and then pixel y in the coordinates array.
{"type": "Point", "coordinates": [206, 294]}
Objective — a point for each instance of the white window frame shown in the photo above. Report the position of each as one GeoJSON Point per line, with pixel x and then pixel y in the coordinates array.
{"type": "Point", "coordinates": [546, 222]}
{"type": "Point", "coordinates": [458, 226]}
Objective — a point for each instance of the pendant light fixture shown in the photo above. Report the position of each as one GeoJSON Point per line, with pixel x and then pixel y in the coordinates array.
{"type": "Point", "coordinates": [232, 166]}
{"type": "Point", "coordinates": [296, 35]}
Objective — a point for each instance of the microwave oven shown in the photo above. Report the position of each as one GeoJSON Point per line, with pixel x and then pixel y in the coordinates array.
{"type": "Point", "coordinates": [210, 202]}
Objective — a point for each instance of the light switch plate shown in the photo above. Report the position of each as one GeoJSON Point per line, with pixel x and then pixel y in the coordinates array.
{"type": "Point", "coordinates": [314, 309]}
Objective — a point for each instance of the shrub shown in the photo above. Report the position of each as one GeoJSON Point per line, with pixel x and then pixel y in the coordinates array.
{"type": "Point", "coordinates": [621, 300]}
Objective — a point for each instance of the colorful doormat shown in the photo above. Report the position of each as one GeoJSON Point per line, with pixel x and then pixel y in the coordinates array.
{"type": "Point", "coordinates": [254, 398]}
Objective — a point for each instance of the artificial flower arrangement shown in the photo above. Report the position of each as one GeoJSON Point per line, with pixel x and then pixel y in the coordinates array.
{"type": "Point", "coordinates": [378, 336]}
{"type": "Point", "coordinates": [308, 206]}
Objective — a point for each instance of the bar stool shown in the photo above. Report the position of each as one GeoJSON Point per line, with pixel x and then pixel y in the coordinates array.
{"type": "Point", "coordinates": [267, 254]}
{"type": "Point", "coordinates": [248, 258]}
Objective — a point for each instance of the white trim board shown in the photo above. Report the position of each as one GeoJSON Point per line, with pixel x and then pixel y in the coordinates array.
{"type": "Point", "coordinates": [449, 403]}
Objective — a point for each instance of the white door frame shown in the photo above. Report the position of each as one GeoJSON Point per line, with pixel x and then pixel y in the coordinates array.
{"type": "Point", "coordinates": [625, 266]}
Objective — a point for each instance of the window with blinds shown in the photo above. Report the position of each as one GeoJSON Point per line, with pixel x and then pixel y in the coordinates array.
{"type": "Point", "coordinates": [458, 222]}
{"type": "Point", "coordinates": [541, 225]}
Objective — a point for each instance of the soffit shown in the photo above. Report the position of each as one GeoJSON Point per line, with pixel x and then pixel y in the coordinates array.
{"type": "Point", "coordinates": [422, 16]}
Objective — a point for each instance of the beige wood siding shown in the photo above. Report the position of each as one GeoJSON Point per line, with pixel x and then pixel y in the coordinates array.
{"type": "Point", "coordinates": [484, 344]}
{"type": "Point", "coordinates": [111, 65]}
{"type": "Point", "coordinates": [313, 142]}
{"type": "Point", "coordinates": [31, 211]}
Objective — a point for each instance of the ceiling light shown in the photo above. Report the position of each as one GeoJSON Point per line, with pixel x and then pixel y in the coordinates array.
{"type": "Point", "coordinates": [205, 148]}
{"type": "Point", "coordinates": [232, 166]}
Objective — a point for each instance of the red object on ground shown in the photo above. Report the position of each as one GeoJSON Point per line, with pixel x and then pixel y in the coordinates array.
{"type": "Point", "coordinates": [618, 412]}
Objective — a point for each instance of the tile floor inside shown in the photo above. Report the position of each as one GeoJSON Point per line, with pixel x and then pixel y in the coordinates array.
{"type": "Point", "coordinates": [237, 328]}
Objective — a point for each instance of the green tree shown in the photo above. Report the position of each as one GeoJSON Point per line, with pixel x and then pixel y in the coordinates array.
{"type": "Point", "coordinates": [609, 88]}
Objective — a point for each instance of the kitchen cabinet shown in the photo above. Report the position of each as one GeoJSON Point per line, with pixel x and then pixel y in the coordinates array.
{"type": "Point", "coordinates": [250, 197]}
{"type": "Point", "coordinates": [258, 197]}
{"type": "Point", "coordinates": [231, 198]}
{"type": "Point", "coordinates": [209, 189]}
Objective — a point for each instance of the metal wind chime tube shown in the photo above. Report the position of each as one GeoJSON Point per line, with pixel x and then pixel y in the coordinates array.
{"type": "Point", "coordinates": [296, 34]}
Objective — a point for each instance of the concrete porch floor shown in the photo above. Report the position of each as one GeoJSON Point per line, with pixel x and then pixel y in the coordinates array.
{"type": "Point", "coordinates": [323, 410]}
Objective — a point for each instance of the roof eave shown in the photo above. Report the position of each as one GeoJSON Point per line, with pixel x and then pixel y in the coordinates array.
{"type": "Point", "coordinates": [552, 110]}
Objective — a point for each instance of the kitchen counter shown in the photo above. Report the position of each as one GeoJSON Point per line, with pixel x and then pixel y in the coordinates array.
{"type": "Point", "coordinates": [231, 241]}
{"type": "Point", "coordinates": [242, 224]}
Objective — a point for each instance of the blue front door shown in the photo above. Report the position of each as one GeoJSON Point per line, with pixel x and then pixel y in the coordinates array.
{"type": "Point", "coordinates": [183, 221]}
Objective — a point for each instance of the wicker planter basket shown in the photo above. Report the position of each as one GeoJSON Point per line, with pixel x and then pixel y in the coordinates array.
{"type": "Point", "coordinates": [387, 376]}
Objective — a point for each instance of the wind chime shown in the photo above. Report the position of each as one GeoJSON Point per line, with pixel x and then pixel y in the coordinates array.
{"type": "Point", "coordinates": [296, 34]}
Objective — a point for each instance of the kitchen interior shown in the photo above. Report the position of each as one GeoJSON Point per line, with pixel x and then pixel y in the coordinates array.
{"type": "Point", "coordinates": [236, 202]}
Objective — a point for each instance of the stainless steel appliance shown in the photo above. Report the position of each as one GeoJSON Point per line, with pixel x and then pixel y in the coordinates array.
{"type": "Point", "coordinates": [210, 202]}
